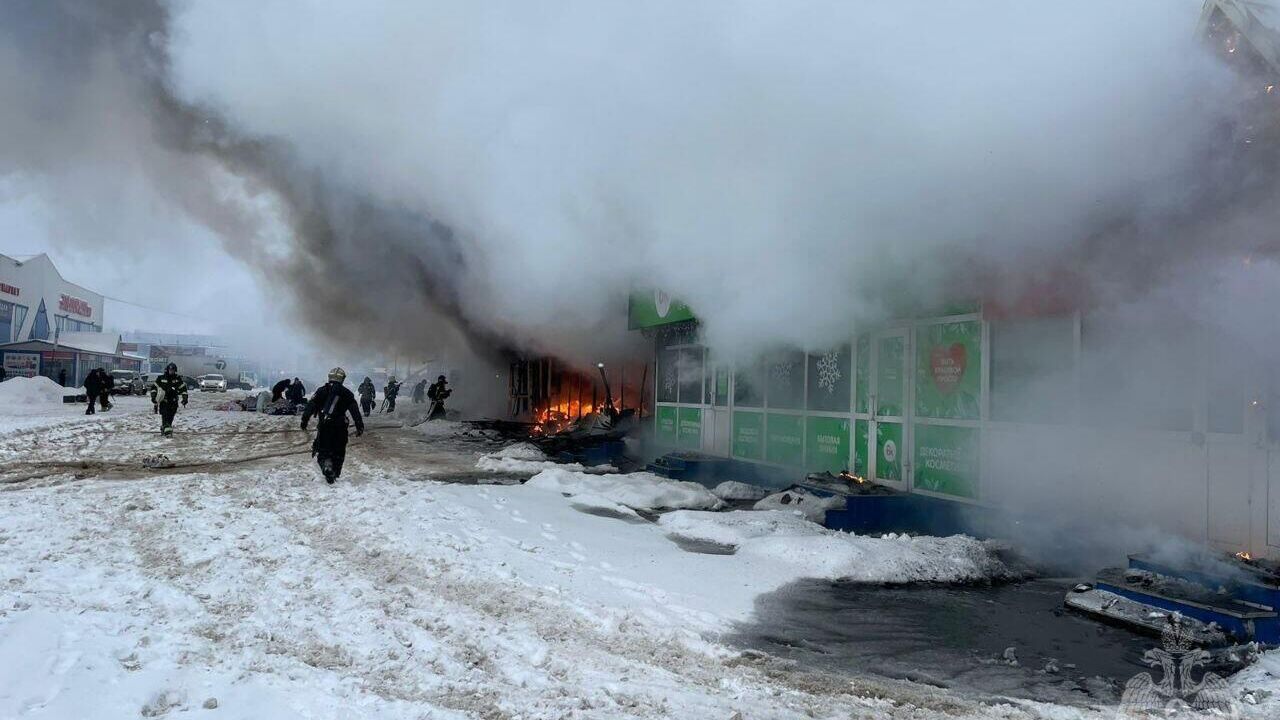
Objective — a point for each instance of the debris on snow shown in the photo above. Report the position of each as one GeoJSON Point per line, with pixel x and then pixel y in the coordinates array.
{"type": "Point", "coordinates": [799, 501]}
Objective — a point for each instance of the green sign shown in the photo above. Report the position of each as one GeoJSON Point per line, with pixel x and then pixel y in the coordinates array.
{"type": "Point", "coordinates": [860, 448]}
{"type": "Point", "coordinates": [666, 425]}
{"type": "Point", "coordinates": [827, 443]}
{"type": "Point", "coordinates": [947, 460]}
{"type": "Point", "coordinates": [948, 370]}
{"type": "Point", "coordinates": [889, 451]}
{"type": "Point", "coordinates": [748, 428]}
{"type": "Point", "coordinates": [785, 443]}
{"type": "Point", "coordinates": [689, 429]}
{"type": "Point", "coordinates": [653, 308]}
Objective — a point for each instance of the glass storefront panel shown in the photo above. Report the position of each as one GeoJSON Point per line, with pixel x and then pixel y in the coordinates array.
{"type": "Point", "coordinates": [949, 370]}
{"type": "Point", "coordinates": [829, 380]}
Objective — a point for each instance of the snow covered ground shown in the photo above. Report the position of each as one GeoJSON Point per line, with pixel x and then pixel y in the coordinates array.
{"type": "Point", "coordinates": [237, 579]}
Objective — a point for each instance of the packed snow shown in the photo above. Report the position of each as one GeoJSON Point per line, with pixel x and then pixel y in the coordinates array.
{"type": "Point", "coordinates": [733, 490]}
{"type": "Point", "coordinates": [638, 491]}
{"type": "Point", "coordinates": [238, 583]}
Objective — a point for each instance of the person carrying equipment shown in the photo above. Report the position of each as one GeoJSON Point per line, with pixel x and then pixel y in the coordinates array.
{"type": "Point", "coordinates": [419, 391]}
{"type": "Point", "coordinates": [331, 404]}
{"type": "Point", "coordinates": [367, 393]}
{"type": "Point", "coordinates": [165, 394]}
{"type": "Point", "coordinates": [297, 392]}
{"type": "Point", "coordinates": [106, 384]}
{"type": "Point", "coordinates": [437, 393]}
{"type": "Point", "coordinates": [92, 387]}
{"type": "Point", "coordinates": [389, 395]}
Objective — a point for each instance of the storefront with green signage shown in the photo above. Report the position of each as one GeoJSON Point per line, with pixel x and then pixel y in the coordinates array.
{"type": "Point", "coordinates": [988, 405]}
{"type": "Point", "coordinates": [901, 404]}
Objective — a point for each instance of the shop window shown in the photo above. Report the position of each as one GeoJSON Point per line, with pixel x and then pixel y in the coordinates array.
{"type": "Point", "coordinates": [1137, 370]}
{"type": "Point", "coordinates": [668, 379]}
{"type": "Point", "coordinates": [6, 322]}
{"type": "Point", "coordinates": [1033, 370]}
{"type": "Point", "coordinates": [748, 385]}
{"type": "Point", "coordinates": [721, 392]}
{"type": "Point", "coordinates": [829, 379]}
{"type": "Point", "coordinates": [40, 326]}
{"type": "Point", "coordinates": [689, 376]}
{"type": "Point", "coordinates": [862, 374]}
{"type": "Point", "coordinates": [786, 380]}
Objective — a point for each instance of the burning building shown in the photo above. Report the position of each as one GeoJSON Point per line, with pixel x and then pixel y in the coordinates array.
{"type": "Point", "coordinates": [1103, 410]}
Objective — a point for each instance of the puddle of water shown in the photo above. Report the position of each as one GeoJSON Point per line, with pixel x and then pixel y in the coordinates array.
{"type": "Point", "coordinates": [951, 636]}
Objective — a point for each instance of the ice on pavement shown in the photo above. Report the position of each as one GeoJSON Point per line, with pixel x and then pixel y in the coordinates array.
{"type": "Point", "coordinates": [38, 390]}
{"type": "Point", "coordinates": [638, 491]}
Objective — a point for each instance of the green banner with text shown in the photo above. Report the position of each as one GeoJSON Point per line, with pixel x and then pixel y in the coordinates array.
{"type": "Point", "coordinates": [689, 428]}
{"type": "Point", "coordinates": [948, 370]}
{"type": "Point", "coordinates": [947, 460]}
{"type": "Point", "coordinates": [653, 308]}
{"type": "Point", "coordinates": [748, 440]}
{"type": "Point", "coordinates": [785, 442]}
{"type": "Point", "coordinates": [827, 444]}
{"type": "Point", "coordinates": [666, 417]}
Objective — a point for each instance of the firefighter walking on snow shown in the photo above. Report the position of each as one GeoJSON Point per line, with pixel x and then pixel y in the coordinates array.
{"type": "Point", "coordinates": [331, 404]}
{"type": "Point", "coordinates": [169, 388]}
{"type": "Point", "coordinates": [367, 393]}
{"type": "Point", "coordinates": [389, 395]}
{"type": "Point", "coordinates": [437, 393]}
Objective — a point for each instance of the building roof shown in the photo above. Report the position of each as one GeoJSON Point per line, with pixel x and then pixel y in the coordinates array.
{"type": "Point", "coordinates": [89, 342]}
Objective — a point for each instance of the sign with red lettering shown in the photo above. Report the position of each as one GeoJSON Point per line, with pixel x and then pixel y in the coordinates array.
{"type": "Point", "coordinates": [75, 306]}
{"type": "Point", "coordinates": [8, 289]}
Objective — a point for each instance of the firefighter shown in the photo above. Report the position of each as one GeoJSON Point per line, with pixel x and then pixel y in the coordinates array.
{"type": "Point", "coordinates": [331, 404]}
{"type": "Point", "coordinates": [92, 386]}
{"type": "Point", "coordinates": [437, 393]}
{"type": "Point", "coordinates": [389, 395]}
{"type": "Point", "coordinates": [165, 394]}
{"type": "Point", "coordinates": [367, 393]}
{"type": "Point", "coordinates": [297, 392]}
{"type": "Point", "coordinates": [277, 390]}
{"type": "Point", "coordinates": [419, 391]}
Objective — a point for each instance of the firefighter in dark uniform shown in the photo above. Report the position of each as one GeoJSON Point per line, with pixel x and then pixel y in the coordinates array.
{"type": "Point", "coordinates": [166, 392]}
{"type": "Point", "coordinates": [389, 393]}
{"type": "Point", "coordinates": [92, 387]}
{"type": "Point", "coordinates": [437, 393]}
{"type": "Point", "coordinates": [106, 384]}
{"type": "Point", "coordinates": [277, 390]}
{"type": "Point", "coordinates": [367, 394]}
{"type": "Point", "coordinates": [331, 404]}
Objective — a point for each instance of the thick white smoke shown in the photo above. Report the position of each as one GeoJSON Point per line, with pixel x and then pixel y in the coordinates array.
{"type": "Point", "coordinates": [786, 168]}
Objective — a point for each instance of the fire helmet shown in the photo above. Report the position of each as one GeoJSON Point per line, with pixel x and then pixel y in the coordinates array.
{"type": "Point", "coordinates": [337, 375]}
{"type": "Point", "coordinates": [171, 367]}
{"type": "Point", "coordinates": [441, 378]}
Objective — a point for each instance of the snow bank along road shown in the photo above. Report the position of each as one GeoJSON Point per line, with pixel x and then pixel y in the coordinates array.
{"type": "Point", "coordinates": [238, 585]}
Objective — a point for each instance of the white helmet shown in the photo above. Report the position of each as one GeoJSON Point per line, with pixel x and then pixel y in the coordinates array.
{"type": "Point", "coordinates": [337, 375]}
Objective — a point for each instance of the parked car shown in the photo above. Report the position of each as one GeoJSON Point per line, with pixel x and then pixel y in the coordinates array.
{"type": "Point", "coordinates": [213, 382]}
{"type": "Point", "coordinates": [127, 382]}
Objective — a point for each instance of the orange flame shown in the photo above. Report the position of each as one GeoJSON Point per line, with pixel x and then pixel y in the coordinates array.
{"type": "Point", "coordinates": [1245, 556]}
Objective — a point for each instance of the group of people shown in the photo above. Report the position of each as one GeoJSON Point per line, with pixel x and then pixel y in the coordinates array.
{"type": "Point", "coordinates": [292, 390]}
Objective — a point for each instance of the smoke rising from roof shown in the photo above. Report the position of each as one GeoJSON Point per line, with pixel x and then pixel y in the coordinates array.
{"type": "Point", "coordinates": [507, 173]}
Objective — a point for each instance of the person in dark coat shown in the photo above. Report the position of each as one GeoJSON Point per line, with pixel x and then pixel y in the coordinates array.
{"type": "Point", "coordinates": [297, 392]}
{"type": "Point", "coordinates": [437, 393]}
{"type": "Point", "coordinates": [420, 391]}
{"type": "Point", "coordinates": [367, 394]}
{"type": "Point", "coordinates": [106, 384]}
{"type": "Point", "coordinates": [389, 394]}
{"type": "Point", "coordinates": [62, 376]}
{"type": "Point", "coordinates": [92, 386]}
{"type": "Point", "coordinates": [331, 404]}
{"type": "Point", "coordinates": [165, 393]}
{"type": "Point", "coordinates": [277, 390]}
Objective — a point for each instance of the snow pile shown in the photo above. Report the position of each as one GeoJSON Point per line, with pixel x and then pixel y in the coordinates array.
{"type": "Point", "coordinates": [781, 538]}
{"type": "Point", "coordinates": [638, 491]}
{"type": "Point", "coordinates": [441, 428]}
{"type": "Point", "coordinates": [812, 507]}
{"type": "Point", "coordinates": [1257, 687]}
{"type": "Point", "coordinates": [37, 390]}
{"type": "Point", "coordinates": [520, 451]}
{"type": "Point", "coordinates": [736, 527]}
{"type": "Point", "coordinates": [734, 490]}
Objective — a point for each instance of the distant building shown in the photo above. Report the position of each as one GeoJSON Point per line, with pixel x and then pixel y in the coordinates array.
{"type": "Point", "coordinates": [37, 303]}
{"type": "Point", "coordinates": [73, 353]}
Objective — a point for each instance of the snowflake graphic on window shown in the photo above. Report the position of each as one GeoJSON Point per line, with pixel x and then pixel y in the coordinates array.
{"type": "Point", "coordinates": [781, 372]}
{"type": "Point", "coordinates": [829, 372]}
{"type": "Point", "coordinates": [669, 379]}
